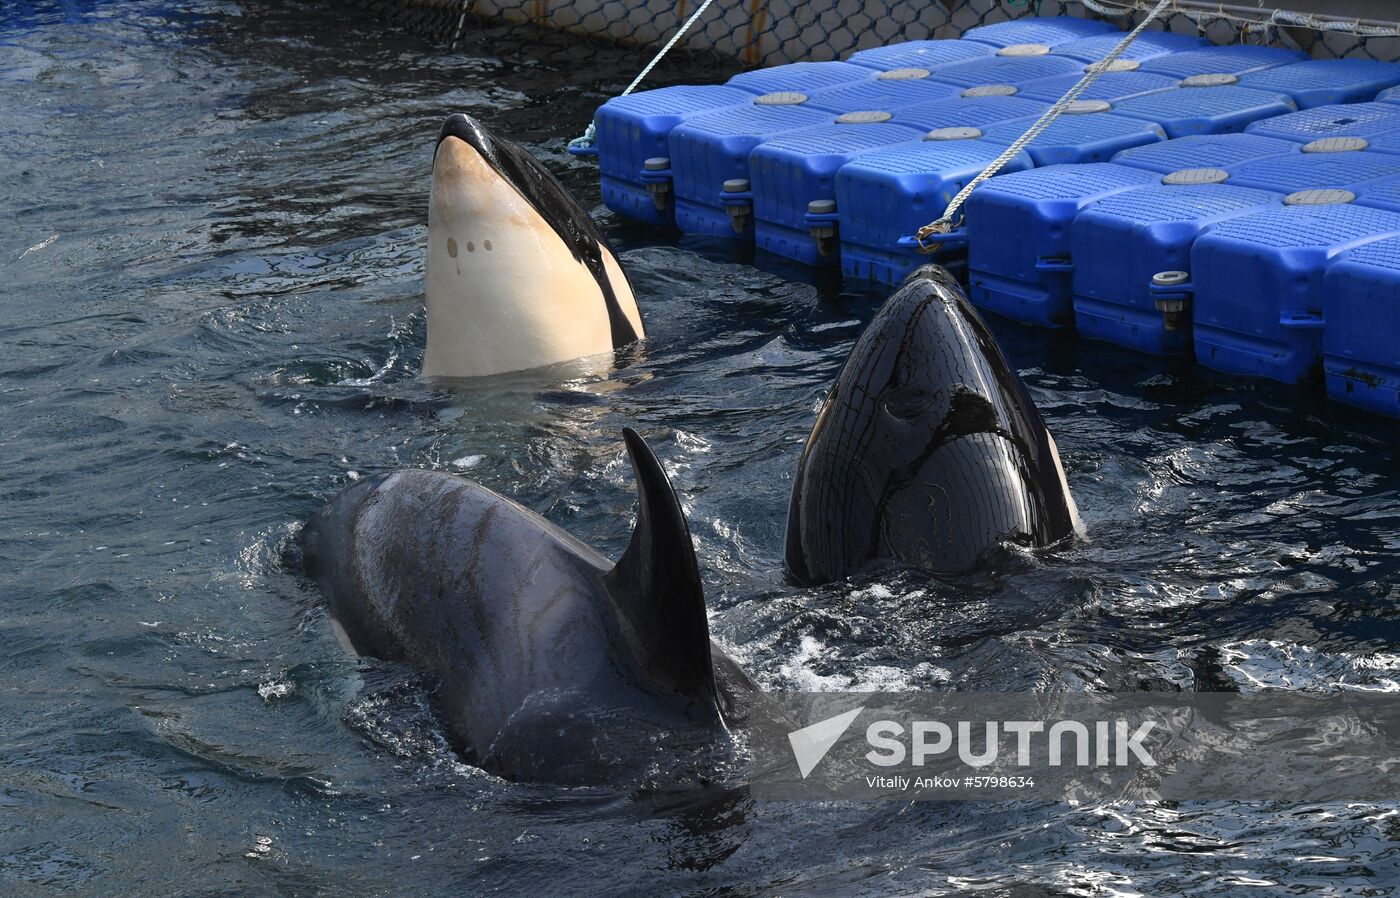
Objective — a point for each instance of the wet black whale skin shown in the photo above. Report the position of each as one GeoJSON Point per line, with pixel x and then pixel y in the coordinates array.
{"type": "Point", "coordinates": [528, 632]}
{"type": "Point", "coordinates": [928, 450]}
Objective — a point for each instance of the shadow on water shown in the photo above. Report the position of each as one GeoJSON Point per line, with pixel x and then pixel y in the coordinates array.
{"type": "Point", "coordinates": [213, 321]}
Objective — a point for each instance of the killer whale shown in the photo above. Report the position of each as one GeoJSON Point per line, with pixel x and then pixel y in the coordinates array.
{"type": "Point", "coordinates": [517, 274]}
{"type": "Point", "coordinates": [928, 451]}
{"type": "Point", "coordinates": [551, 663]}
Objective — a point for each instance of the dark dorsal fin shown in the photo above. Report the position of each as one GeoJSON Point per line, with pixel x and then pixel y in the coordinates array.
{"type": "Point", "coordinates": [656, 586]}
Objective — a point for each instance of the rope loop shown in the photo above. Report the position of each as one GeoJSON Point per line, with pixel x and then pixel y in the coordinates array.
{"type": "Point", "coordinates": [941, 226]}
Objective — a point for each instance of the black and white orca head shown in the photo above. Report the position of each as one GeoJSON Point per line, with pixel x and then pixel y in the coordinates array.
{"type": "Point", "coordinates": [518, 274]}
{"type": "Point", "coordinates": [928, 450]}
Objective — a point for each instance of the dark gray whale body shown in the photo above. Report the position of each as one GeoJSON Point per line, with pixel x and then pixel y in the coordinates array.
{"type": "Point", "coordinates": [928, 451]}
{"type": "Point", "coordinates": [553, 664]}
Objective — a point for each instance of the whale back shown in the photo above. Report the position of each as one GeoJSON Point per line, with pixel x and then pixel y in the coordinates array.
{"type": "Point", "coordinates": [526, 630]}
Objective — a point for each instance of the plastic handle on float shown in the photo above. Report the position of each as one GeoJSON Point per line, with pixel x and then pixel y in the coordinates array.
{"type": "Point", "coordinates": [1178, 289]}
{"type": "Point", "coordinates": [1302, 321]}
{"type": "Point", "coordinates": [1053, 263]}
{"type": "Point", "coordinates": [935, 242]}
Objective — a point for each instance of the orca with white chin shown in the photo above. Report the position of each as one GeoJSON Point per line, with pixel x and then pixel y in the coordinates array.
{"type": "Point", "coordinates": [928, 451]}
{"type": "Point", "coordinates": [518, 275]}
{"type": "Point", "coordinates": [551, 663]}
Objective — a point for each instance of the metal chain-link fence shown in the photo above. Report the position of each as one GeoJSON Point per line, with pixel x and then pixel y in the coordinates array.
{"type": "Point", "coordinates": [768, 32]}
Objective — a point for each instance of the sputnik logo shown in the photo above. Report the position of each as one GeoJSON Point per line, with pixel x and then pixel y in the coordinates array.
{"type": "Point", "coordinates": [811, 743]}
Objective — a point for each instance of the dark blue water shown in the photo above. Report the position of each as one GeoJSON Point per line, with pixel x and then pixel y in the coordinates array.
{"type": "Point", "coordinates": [211, 319]}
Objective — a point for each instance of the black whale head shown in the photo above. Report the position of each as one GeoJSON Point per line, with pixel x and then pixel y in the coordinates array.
{"type": "Point", "coordinates": [514, 165]}
{"type": "Point", "coordinates": [928, 450]}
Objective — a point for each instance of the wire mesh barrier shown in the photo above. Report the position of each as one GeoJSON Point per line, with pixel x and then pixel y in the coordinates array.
{"type": "Point", "coordinates": [768, 32]}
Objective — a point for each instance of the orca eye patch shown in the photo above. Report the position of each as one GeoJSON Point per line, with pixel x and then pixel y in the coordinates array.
{"type": "Point", "coordinates": [908, 402]}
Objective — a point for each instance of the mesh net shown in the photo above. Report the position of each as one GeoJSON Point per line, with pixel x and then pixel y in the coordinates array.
{"type": "Point", "coordinates": [743, 33]}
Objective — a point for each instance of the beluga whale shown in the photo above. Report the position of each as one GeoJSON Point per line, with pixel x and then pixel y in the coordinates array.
{"type": "Point", "coordinates": [928, 451]}
{"type": "Point", "coordinates": [551, 663]}
{"type": "Point", "coordinates": [518, 275]}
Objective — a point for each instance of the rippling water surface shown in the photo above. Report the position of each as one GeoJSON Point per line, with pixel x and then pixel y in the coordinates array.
{"type": "Point", "coordinates": [212, 319]}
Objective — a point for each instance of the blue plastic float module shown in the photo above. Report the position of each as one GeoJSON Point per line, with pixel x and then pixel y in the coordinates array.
{"type": "Point", "coordinates": [800, 76]}
{"type": "Point", "coordinates": [1123, 242]}
{"type": "Point", "coordinates": [1087, 132]}
{"type": "Point", "coordinates": [1387, 142]}
{"type": "Point", "coordinates": [1049, 30]}
{"type": "Point", "coordinates": [1347, 171]}
{"type": "Point", "coordinates": [708, 150]}
{"type": "Point", "coordinates": [886, 91]}
{"type": "Point", "coordinates": [635, 128]}
{"type": "Point", "coordinates": [1361, 355]}
{"type": "Point", "coordinates": [1109, 86]}
{"type": "Point", "coordinates": [1219, 109]}
{"type": "Point", "coordinates": [792, 171]}
{"type": "Point", "coordinates": [1320, 82]}
{"type": "Point", "coordinates": [1382, 193]}
{"type": "Point", "coordinates": [885, 196]}
{"type": "Point", "coordinates": [712, 148]}
{"type": "Point", "coordinates": [1145, 46]}
{"type": "Point", "coordinates": [1019, 236]}
{"type": "Point", "coordinates": [1236, 60]}
{"type": "Point", "coordinates": [1013, 70]}
{"type": "Point", "coordinates": [927, 55]}
{"type": "Point", "coordinates": [971, 111]}
{"type": "Point", "coordinates": [1340, 120]}
{"type": "Point", "coordinates": [1223, 151]}
{"type": "Point", "coordinates": [1258, 285]}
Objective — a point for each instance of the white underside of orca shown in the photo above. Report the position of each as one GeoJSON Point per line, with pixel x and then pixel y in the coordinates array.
{"type": "Point", "coordinates": [504, 291]}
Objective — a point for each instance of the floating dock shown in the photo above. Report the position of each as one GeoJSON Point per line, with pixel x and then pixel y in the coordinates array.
{"type": "Point", "coordinates": [1240, 204]}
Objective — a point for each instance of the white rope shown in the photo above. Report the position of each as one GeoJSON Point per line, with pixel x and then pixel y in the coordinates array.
{"type": "Point", "coordinates": [461, 23]}
{"type": "Point", "coordinates": [1265, 17]}
{"type": "Point", "coordinates": [945, 224]}
{"type": "Point", "coordinates": [590, 136]}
